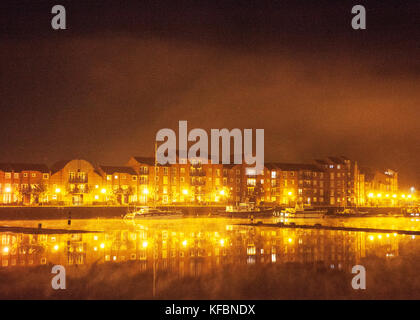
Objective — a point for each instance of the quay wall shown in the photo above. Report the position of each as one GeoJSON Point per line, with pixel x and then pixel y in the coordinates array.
{"type": "Point", "coordinates": [79, 212]}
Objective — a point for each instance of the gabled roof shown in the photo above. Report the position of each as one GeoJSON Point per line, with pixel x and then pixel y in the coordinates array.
{"type": "Point", "coordinates": [145, 160]}
{"type": "Point", "coordinates": [336, 160]}
{"type": "Point", "coordinates": [270, 165]}
{"type": "Point", "coordinates": [320, 161]}
{"type": "Point", "coordinates": [19, 167]}
{"type": "Point", "coordinates": [59, 165]}
{"type": "Point", "coordinates": [112, 170]}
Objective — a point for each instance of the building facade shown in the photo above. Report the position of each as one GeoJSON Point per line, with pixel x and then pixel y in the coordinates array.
{"type": "Point", "coordinates": [334, 181]}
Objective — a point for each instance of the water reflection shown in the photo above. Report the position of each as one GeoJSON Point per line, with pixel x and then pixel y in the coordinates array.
{"type": "Point", "coordinates": [193, 247]}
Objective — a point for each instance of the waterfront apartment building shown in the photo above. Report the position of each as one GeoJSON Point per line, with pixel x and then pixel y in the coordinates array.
{"type": "Point", "coordinates": [293, 184]}
{"type": "Point", "coordinates": [187, 182]}
{"type": "Point", "coordinates": [381, 186]}
{"type": "Point", "coordinates": [334, 181]}
{"type": "Point", "coordinates": [344, 181]}
{"type": "Point", "coordinates": [24, 183]}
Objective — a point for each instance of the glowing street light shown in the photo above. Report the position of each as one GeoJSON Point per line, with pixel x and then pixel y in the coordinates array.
{"type": "Point", "coordinates": [145, 191]}
{"type": "Point", "coordinates": [58, 190]}
{"type": "Point", "coordinates": [289, 193]}
{"type": "Point", "coordinates": [185, 191]}
{"type": "Point", "coordinates": [222, 192]}
{"type": "Point", "coordinates": [103, 191]}
{"type": "Point", "coordinates": [370, 195]}
{"type": "Point", "coordinates": [145, 244]}
{"type": "Point", "coordinates": [8, 190]}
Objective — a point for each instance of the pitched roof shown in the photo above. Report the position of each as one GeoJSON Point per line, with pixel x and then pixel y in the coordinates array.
{"type": "Point", "coordinates": [320, 161]}
{"type": "Point", "coordinates": [145, 160]}
{"type": "Point", "coordinates": [270, 165]}
{"type": "Point", "coordinates": [297, 166]}
{"type": "Point", "coordinates": [59, 165]}
{"type": "Point", "coordinates": [112, 170]}
{"type": "Point", "coordinates": [336, 160]}
{"type": "Point", "coordinates": [19, 167]}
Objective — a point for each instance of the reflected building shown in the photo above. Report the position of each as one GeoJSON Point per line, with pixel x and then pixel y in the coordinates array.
{"type": "Point", "coordinates": [187, 251]}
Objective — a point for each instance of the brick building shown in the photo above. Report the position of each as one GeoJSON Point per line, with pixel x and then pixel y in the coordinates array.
{"type": "Point", "coordinates": [334, 181]}
{"type": "Point", "coordinates": [24, 183]}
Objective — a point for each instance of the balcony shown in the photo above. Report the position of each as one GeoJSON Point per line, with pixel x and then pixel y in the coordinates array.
{"type": "Point", "coordinates": [144, 171]}
{"type": "Point", "coordinates": [197, 173]}
{"type": "Point", "coordinates": [198, 183]}
{"type": "Point", "coordinates": [78, 190]}
{"type": "Point", "coordinates": [78, 179]}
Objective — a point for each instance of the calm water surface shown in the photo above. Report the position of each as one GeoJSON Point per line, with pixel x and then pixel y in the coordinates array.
{"type": "Point", "coordinates": [210, 258]}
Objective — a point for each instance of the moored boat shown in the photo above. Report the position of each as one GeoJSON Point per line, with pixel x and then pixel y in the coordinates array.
{"type": "Point", "coordinates": [151, 213]}
{"type": "Point", "coordinates": [245, 210]}
{"type": "Point", "coordinates": [412, 212]}
{"type": "Point", "coordinates": [300, 213]}
{"type": "Point", "coordinates": [351, 212]}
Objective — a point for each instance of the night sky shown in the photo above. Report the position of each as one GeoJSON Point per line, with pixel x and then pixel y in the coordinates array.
{"type": "Point", "coordinates": [122, 70]}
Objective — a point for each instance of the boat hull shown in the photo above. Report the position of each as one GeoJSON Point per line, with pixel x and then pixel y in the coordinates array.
{"type": "Point", "coordinates": [301, 214]}
{"type": "Point", "coordinates": [248, 214]}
